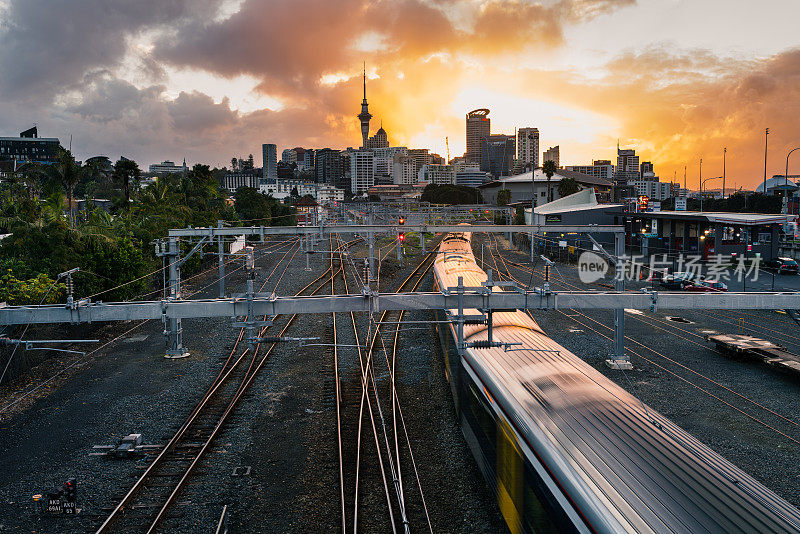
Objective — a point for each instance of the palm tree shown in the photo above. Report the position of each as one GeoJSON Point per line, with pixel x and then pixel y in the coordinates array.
{"type": "Point", "coordinates": [549, 168]}
{"type": "Point", "coordinates": [127, 170]}
{"type": "Point", "coordinates": [66, 172]}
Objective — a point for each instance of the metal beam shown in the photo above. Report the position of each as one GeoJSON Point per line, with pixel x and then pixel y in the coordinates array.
{"type": "Point", "coordinates": [232, 307]}
{"type": "Point", "coordinates": [389, 229]}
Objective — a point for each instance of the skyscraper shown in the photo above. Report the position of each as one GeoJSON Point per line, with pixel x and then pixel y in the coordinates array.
{"type": "Point", "coordinates": [364, 116]}
{"type": "Point", "coordinates": [528, 147]}
{"type": "Point", "coordinates": [497, 154]}
{"type": "Point", "coordinates": [478, 129]}
{"type": "Point", "coordinates": [269, 166]}
{"type": "Point", "coordinates": [627, 166]}
{"type": "Point", "coordinates": [552, 154]}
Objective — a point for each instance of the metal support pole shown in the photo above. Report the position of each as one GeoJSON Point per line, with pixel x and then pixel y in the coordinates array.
{"type": "Point", "coordinates": [482, 262]}
{"type": "Point", "coordinates": [422, 241]}
{"type": "Point", "coordinates": [221, 260]}
{"type": "Point", "coordinates": [460, 292]}
{"type": "Point", "coordinates": [372, 256]}
{"type": "Point", "coordinates": [308, 265]}
{"type": "Point", "coordinates": [531, 247]}
{"type": "Point", "coordinates": [619, 360]}
{"type": "Point", "coordinates": [175, 347]}
{"type": "Point", "coordinates": [399, 253]}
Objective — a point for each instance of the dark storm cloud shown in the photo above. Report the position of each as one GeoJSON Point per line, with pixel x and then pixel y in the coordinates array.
{"type": "Point", "coordinates": [196, 112]}
{"type": "Point", "coordinates": [289, 44]}
{"type": "Point", "coordinates": [49, 45]}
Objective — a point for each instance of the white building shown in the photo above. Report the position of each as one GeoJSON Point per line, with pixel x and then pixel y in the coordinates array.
{"type": "Point", "coordinates": [327, 194]}
{"type": "Point", "coordinates": [552, 154]}
{"type": "Point", "coordinates": [283, 188]}
{"type": "Point", "coordinates": [652, 189]}
{"type": "Point", "coordinates": [404, 170]}
{"type": "Point", "coordinates": [246, 178]}
{"type": "Point", "coordinates": [289, 156]}
{"type": "Point", "coordinates": [383, 159]}
{"type": "Point", "coordinates": [167, 167]}
{"type": "Point", "coordinates": [438, 174]}
{"type": "Point", "coordinates": [362, 172]}
{"type": "Point", "coordinates": [528, 147]}
{"type": "Point", "coordinates": [602, 169]}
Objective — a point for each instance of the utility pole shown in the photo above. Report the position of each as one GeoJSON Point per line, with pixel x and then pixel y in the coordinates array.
{"type": "Point", "coordinates": [724, 152]}
{"type": "Point", "coordinates": [701, 185]}
{"type": "Point", "coordinates": [766, 139]}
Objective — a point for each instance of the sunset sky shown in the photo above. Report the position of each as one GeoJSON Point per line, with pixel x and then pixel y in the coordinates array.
{"type": "Point", "coordinates": [209, 79]}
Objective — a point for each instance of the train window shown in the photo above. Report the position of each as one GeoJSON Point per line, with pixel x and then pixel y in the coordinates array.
{"type": "Point", "coordinates": [482, 422]}
{"type": "Point", "coordinates": [535, 516]}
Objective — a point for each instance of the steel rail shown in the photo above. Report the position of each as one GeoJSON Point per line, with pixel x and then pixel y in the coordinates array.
{"type": "Point", "coordinates": [221, 379]}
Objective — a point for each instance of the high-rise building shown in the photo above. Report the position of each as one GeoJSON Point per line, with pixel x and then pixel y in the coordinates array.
{"type": "Point", "coordinates": [404, 169]}
{"type": "Point", "coordinates": [362, 175]}
{"type": "Point", "coordinates": [478, 129]}
{"type": "Point", "coordinates": [600, 168]}
{"type": "Point", "coordinates": [329, 169]}
{"type": "Point", "coordinates": [269, 162]}
{"type": "Point", "coordinates": [421, 157]}
{"type": "Point", "coordinates": [528, 147]}
{"type": "Point", "coordinates": [497, 154]}
{"type": "Point", "coordinates": [627, 169]}
{"type": "Point", "coordinates": [364, 116]}
{"type": "Point", "coordinates": [552, 154]}
{"type": "Point", "coordinates": [646, 167]}
{"type": "Point", "coordinates": [437, 174]}
{"type": "Point", "coordinates": [379, 140]}
{"type": "Point", "coordinates": [289, 156]}
{"type": "Point", "coordinates": [383, 160]}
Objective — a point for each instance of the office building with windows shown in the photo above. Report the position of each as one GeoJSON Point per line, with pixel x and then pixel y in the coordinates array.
{"type": "Point", "coordinates": [528, 147]}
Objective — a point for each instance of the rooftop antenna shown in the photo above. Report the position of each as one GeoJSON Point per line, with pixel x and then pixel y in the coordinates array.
{"type": "Point", "coordinates": [70, 143]}
{"type": "Point", "coordinates": [365, 80]}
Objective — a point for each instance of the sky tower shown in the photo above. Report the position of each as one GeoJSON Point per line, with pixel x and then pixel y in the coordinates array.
{"type": "Point", "coordinates": [364, 116]}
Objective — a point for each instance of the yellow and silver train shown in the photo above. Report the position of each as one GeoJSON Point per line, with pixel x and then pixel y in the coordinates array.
{"type": "Point", "coordinates": [567, 450]}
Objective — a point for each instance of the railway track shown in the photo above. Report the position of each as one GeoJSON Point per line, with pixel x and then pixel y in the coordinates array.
{"type": "Point", "coordinates": [146, 506]}
{"type": "Point", "coordinates": [364, 477]}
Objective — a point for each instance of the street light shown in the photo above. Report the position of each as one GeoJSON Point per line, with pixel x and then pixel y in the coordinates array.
{"type": "Point", "coordinates": [786, 178]}
{"type": "Point", "coordinates": [701, 190]}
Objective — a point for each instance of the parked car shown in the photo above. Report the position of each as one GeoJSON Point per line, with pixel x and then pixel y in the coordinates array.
{"type": "Point", "coordinates": [706, 285]}
{"type": "Point", "coordinates": [678, 280]}
{"type": "Point", "coordinates": [782, 265]}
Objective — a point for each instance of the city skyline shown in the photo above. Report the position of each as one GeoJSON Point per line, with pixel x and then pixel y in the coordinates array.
{"type": "Point", "coordinates": [193, 80]}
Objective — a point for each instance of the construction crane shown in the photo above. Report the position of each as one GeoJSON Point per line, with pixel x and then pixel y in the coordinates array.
{"type": "Point", "coordinates": [447, 144]}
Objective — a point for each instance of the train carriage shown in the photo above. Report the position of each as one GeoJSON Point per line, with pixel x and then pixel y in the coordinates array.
{"type": "Point", "coordinates": [567, 450]}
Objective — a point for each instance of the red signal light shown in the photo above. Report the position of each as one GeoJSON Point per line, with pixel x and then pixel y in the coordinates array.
{"type": "Point", "coordinates": [401, 237]}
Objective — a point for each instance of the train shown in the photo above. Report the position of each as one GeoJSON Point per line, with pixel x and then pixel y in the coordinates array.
{"type": "Point", "coordinates": [567, 450]}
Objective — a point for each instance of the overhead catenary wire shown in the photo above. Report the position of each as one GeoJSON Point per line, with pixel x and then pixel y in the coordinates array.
{"type": "Point", "coordinates": [730, 390]}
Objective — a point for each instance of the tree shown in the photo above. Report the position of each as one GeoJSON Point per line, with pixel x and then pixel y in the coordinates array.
{"type": "Point", "coordinates": [451, 194]}
{"type": "Point", "coordinates": [250, 205]}
{"type": "Point", "coordinates": [66, 172]}
{"type": "Point", "coordinates": [503, 197]}
{"type": "Point", "coordinates": [568, 186]}
{"type": "Point", "coordinates": [127, 171]}
{"type": "Point", "coordinates": [549, 168]}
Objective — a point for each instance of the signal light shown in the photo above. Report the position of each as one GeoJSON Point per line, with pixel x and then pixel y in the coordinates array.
{"type": "Point", "coordinates": [70, 490]}
{"type": "Point", "coordinates": [401, 237]}
{"type": "Point", "coordinates": [402, 220]}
